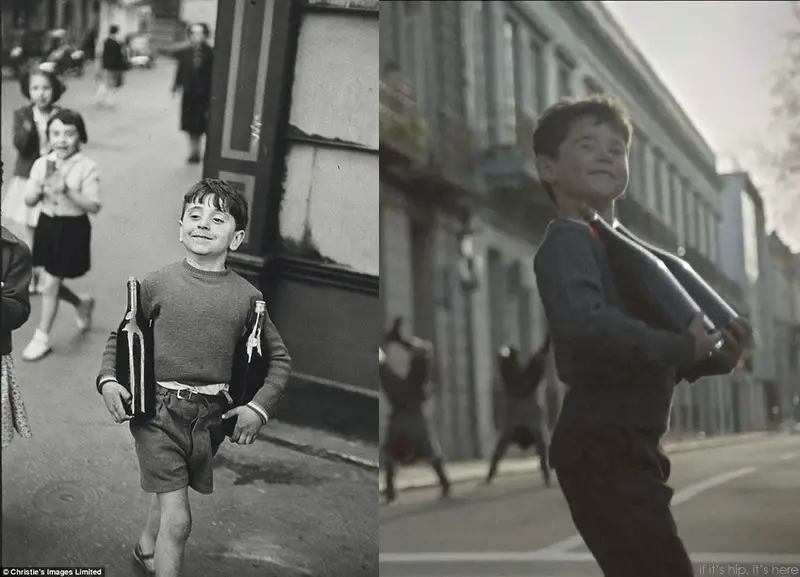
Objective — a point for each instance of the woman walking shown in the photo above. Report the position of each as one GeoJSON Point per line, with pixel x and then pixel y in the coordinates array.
{"type": "Point", "coordinates": [193, 79]}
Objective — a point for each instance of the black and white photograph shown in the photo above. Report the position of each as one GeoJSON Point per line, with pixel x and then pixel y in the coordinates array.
{"type": "Point", "coordinates": [590, 281]}
{"type": "Point", "coordinates": [190, 267]}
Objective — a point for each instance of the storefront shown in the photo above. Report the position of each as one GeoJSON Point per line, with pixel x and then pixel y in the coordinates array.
{"type": "Point", "coordinates": [293, 123]}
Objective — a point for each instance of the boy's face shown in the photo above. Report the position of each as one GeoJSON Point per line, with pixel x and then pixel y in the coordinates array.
{"type": "Point", "coordinates": [197, 35]}
{"type": "Point", "coordinates": [64, 139]}
{"type": "Point", "coordinates": [208, 231]}
{"type": "Point", "coordinates": [591, 165]}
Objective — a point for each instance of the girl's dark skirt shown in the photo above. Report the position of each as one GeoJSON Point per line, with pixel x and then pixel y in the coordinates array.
{"type": "Point", "coordinates": [62, 245]}
{"type": "Point", "coordinates": [194, 115]}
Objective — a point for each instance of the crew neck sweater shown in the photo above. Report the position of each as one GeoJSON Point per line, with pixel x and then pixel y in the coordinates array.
{"type": "Point", "coordinates": [199, 317]}
{"type": "Point", "coordinates": [619, 371]}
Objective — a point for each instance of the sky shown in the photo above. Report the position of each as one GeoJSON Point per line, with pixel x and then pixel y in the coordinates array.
{"type": "Point", "coordinates": [717, 59]}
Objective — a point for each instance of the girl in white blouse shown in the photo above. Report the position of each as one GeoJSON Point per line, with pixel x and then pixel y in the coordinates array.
{"type": "Point", "coordinates": [66, 185]}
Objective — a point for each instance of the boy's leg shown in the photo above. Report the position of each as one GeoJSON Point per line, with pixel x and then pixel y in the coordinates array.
{"type": "Point", "coordinates": [147, 541]}
{"type": "Point", "coordinates": [499, 451]}
{"type": "Point", "coordinates": [391, 495]}
{"type": "Point", "coordinates": [173, 532]}
{"type": "Point", "coordinates": [437, 463]}
{"type": "Point", "coordinates": [620, 503]}
{"type": "Point", "coordinates": [544, 459]}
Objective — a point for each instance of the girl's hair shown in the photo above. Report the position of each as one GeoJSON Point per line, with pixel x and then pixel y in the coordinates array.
{"type": "Point", "coordinates": [25, 83]}
{"type": "Point", "coordinates": [203, 25]}
{"type": "Point", "coordinates": [70, 118]}
{"type": "Point", "coordinates": [226, 198]}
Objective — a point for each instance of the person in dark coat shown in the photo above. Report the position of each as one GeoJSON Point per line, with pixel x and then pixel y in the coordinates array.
{"type": "Point", "coordinates": [524, 424]}
{"type": "Point", "coordinates": [408, 438]}
{"type": "Point", "coordinates": [114, 65]}
{"type": "Point", "coordinates": [193, 79]}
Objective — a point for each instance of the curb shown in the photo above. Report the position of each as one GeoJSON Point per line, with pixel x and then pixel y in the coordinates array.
{"type": "Point", "coordinates": [530, 465]}
{"type": "Point", "coordinates": [321, 452]}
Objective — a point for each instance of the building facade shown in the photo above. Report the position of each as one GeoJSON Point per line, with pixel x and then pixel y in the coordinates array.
{"type": "Point", "coordinates": [293, 124]}
{"type": "Point", "coordinates": [474, 77]}
{"type": "Point", "coordinates": [786, 320]}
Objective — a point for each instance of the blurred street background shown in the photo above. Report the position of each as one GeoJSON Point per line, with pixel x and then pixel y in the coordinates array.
{"type": "Point", "coordinates": [713, 179]}
{"type": "Point", "coordinates": [298, 502]}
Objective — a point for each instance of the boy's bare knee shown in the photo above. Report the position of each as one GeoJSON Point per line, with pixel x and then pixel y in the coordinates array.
{"type": "Point", "coordinates": [176, 516]}
{"type": "Point", "coordinates": [176, 526]}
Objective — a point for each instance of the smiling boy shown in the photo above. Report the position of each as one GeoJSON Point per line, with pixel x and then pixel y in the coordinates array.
{"type": "Point", "coordinates": [621, 373]}
{"type": "Point", "coordinates": [199, 309]}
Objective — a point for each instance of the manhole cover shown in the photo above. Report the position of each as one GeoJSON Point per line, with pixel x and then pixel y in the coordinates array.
{"type": "Point", "coordinates": [65, 499]}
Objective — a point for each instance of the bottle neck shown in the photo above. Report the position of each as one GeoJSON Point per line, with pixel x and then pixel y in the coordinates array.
{"type": "Point", "coordinates": [133, 297]}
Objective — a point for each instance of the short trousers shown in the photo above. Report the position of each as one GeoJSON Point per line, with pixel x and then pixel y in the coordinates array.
{"type": "Point", "coordinates": [176, 446]}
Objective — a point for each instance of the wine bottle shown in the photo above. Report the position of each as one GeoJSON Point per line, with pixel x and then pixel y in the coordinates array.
{"type": "Point", "coordinates": [134, 363]}
{"type": "Point", "coordinates": [249, 365]}
{"type": "Point", "coordinates": [713, 305]}
{"type": "Point", "coordinates": [645, 283]}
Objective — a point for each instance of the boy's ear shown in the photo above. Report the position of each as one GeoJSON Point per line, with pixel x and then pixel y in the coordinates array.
{"type": "Point", "coordinates": [238, 238]}
{"type": "Point", "coordinates": [546, 169]}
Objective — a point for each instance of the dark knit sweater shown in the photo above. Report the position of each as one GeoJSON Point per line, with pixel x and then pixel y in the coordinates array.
{"type": "Point", "coordinates": [199, 318]}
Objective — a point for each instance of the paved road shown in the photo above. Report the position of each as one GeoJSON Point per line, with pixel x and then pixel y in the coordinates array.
{"type": "Point", "coordinates": [71, 493]}
{"type": "Point", "coordinates": [735, 506]}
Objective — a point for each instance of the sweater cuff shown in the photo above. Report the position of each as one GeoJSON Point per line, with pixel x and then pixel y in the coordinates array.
{"type": "Point", "coordinates": [104, 378]}
{"type": "Point", "coordinates": [260, 410]}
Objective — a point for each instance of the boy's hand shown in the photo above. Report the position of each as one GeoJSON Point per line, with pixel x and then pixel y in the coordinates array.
{"type": "Point", "coordinates": [704, 343]}
{"type": "Point", "coordinates": [116, 398]}
{"type": "Point", "coordinates": [735, 340]}
{"type": "Point", "coordinates": [248, 424]}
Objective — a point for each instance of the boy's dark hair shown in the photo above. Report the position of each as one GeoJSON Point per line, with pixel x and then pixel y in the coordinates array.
{"type": "Point", "coordinates": [70, 118]}
{"type": "Point", "coordinates": [226, 198]}
{"type": "Point", "coordinates": [59, 88]}
{"type": "Point", "coordinates": [113, 30]}
{"type": "Point", "coordinates": [555, 122]}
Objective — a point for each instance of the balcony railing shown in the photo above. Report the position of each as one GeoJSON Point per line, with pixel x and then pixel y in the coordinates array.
{"type": "Point", "coordinates": [509, 166]}
{"type": "Point", "coordinates": [403, 130]}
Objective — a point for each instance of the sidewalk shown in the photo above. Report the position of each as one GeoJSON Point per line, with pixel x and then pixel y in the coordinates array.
{"type": "Point", "coordinates": [322, 444]}
{"type": "Point", "coordinates": [421, 476]}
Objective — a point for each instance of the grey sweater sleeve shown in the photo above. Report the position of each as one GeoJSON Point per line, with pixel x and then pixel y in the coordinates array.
{"type": "Point", "coordinates": [570, 284]}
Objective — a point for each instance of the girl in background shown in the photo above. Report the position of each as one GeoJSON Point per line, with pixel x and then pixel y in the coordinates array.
{"type": "Point", "coordinates": [43, 90]}
{"type": "Point", "coordinates": [66, 183]}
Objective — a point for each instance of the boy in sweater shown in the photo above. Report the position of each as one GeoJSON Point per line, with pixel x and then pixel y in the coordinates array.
{"type": "Point", "coordinates": [200, 309]}
{"type": "Point", "coordinates": [620, 372]}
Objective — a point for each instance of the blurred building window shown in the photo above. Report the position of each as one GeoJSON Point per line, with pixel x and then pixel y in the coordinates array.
{"type": "Point", "coordinates": [509, 116]}
{"type": "Point", "coordinates": [591, 86]}
{"type": "Point", "coordinates": [688, 215]}
{"type": "Point", "coordinates": [539, 75]}
{"type": "Point", "coordinates": [565, 67]}
{"type": "Point", "coordinates": [475, 61]}
{"type": "Point", "coordinates": [674, 191]}
{"type": "Point", "coordinates": [749, 234]}
{"type": "Point", "coordinates": [658, 182]}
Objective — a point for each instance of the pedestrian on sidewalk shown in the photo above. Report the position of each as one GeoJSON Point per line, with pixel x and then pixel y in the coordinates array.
{"type": "Point", "coordinates": [43, 89]}
{"type": "Point", "coordinates": [66, 184]}
{"type": "Point", "coordinates": [113, 64]}
{"type": "Point", "coordinates": [199, 308]}
{"type": "Point", "coordinates": [621, 373]}
{"type": "Point", "coordinates": [16, 308]}
{"type": "Point", "coordinates": [193, 80]}
{"type": "Point", "coordinates": [524, 424]}
{"type": "Point", "coordinates": [408, 438]}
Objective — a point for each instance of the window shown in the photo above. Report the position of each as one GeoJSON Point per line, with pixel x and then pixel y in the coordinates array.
{"type": "Point", "coordinates": [539, 75]}
{"type": "Point", "coordinates": [750, 236]}
{"type": "Point", "coordinates": [475, 73]}
{"type": "Point", "coordinates": [637, 168]}
{"type": "Point", "coordinates": [689, 214]}
{"type": "Point", "coordinates": [713, 230]}
{"type": "Point", "coordinates": [701, 227]}
{"type": "Point", "coordinates": [509, 84]}
{"type": "Point", "coordinates": [658, 182]}
{"type": "Point", "coordinates": [590, 86]}
{"type": "Point", "coordinates": [565, 69]}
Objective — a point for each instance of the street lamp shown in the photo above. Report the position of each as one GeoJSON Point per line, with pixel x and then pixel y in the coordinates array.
{"type": "Point", "coordinates": [469, 269]}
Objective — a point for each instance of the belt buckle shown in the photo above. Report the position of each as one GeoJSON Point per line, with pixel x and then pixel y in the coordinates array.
{"type": "Point", "coordinates": [187, 391]}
